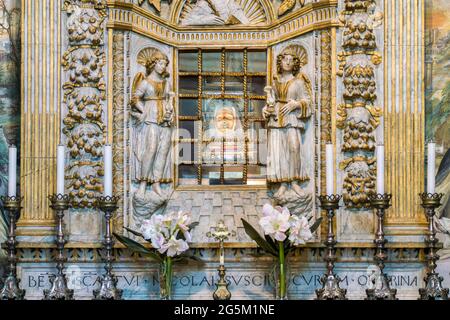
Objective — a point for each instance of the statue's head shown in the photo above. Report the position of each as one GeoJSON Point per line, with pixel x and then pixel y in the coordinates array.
{"type": "Point", "coordinates": [157, 62]}
{"type": "Point", "coordinates": [291, 59]}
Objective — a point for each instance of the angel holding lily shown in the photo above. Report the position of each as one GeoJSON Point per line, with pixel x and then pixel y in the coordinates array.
{"type": "Point", "coordinates": [153, 113]}
{"type": "Point", "coordinates": [288, 106]}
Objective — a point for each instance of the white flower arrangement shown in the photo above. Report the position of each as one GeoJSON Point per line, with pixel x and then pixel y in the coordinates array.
{"type": "Point", "coordinates": [282, 232]}
{"type": "Point", "coordinates": [279, 224]}
{"type": "Point", "coordinates": [164, 231]}
{"type": "Point", "coordinates": [169, 235]}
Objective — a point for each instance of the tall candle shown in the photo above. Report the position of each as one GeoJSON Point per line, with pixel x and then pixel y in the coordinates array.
{"type": "Point", "coordinates": [329, 169]}
{"type": "Point", "coordinates": [12, 172]}
{"type": "Point", "coordinates": [380, 169]}
{"type": "Point", "coordinates": [107, 156]}
{"type": "Point", "coordinates": [431, 168]}
{"type": "Point", "coordinates": [60, 162]}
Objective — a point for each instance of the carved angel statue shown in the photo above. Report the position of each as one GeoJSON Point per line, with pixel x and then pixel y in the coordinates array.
{"type": "Point", "coordinates": [215, 12]}
{"type": "Point", "coordinates": [288, 107]}
{"type": "Point", "coordinates": [152, 110]}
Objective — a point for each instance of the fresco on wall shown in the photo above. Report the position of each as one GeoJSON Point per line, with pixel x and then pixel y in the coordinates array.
{"type": "Point", "coordinates": [437, 40]}
{"type": "Point", "coordinates": [437, 75]}
{"type": "Point", "coordinates": [9, 91]}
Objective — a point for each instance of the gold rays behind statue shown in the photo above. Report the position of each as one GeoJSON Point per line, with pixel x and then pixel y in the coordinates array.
{"type": "Point", "coordinates": [145, 56]}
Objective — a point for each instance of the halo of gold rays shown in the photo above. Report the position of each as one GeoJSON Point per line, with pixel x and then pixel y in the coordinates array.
{"type": "Point", "coordinates": [253, 10]}
{"type": "Point", "coordinates": [298, 51]}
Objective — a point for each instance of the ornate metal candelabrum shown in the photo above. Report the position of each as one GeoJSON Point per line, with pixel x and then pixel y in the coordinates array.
{"type": "Point", "coordinates": [221, 234]}
{"type": "Point", "coordinates": [11, 289]}
{"type": "Point", "coordinates": [433, 282]}
{"type": "Point", "coordinates": [108, 283]}
{"type": "Point", "coordinates": [330, 281]}
{"type": "Point", "coordinates": [59, 289]}
{"type": "Point", "coordinates": [382, 290]}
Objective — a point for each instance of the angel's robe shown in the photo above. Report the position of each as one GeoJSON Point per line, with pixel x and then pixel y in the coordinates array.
{"type": "Point", "coordinates": [284, 159]}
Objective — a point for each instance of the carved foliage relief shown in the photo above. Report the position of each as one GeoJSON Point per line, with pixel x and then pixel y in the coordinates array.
{"type": "Point", "coordinates": [358, 116]}
{"type": "Point", "coordinates": [84, 96]}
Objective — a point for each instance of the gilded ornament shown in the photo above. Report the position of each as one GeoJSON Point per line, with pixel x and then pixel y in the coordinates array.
{"type": "Point", "coordinates": [286, 6]}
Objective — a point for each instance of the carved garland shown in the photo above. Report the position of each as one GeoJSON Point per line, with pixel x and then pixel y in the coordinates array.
{"type": "Point", "coordinates": [84, 97]}
{"type": "Point", "coordinates": [118, 124]}
{"type": "Point", "coordinates": [358, 118]}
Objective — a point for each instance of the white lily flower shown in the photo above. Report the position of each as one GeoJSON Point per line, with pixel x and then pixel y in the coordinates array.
{"type": "Point", "coordinates": [151, 227]}
{"type": "Point", "coordinates": [183, 220]}
{"type": "Point", "coordinates": [158, 240]}
{"type": "Point", "coordinates": [300, 231]}
{"type": "Point", "coordinates": [275, 223]}
{"type": "Point", "coordinates": [174, 247]}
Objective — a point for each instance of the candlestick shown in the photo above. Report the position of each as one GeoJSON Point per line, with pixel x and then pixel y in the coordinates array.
{"type": "Point", "coordinates": [434, 289]}
{"type": "Point", "coordinates": [329, 169]}
{"type": "Point", "coordinates": [382, 290]}
{"type": "Point", "coordinates": [108, 283]}
{"type": "Point", "coordinates": [12, 171]}
{"type": "Point", "coordinates": [380, 169]}
{"type": "Point", "coordinates": [431, 168]}
{"type": "Point", "coordinates": [11, 289]}
{"type": "Point", "coordinates": [59, 289]}
{"type": "Point", "coordinates": [107, 155]}
{"type": "Point", "coordinates": [330, 281]}
{"type": "Point", "coordinates": [60, 161]}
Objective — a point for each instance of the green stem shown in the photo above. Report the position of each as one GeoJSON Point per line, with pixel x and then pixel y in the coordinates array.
{"type": "Point", "coordinates": [169, 274]}
{"type": "Point", "coordinates": [282, 271]}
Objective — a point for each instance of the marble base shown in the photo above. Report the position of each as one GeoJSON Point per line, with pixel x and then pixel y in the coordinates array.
{"type": "Point", "coordinates": [247, 281]}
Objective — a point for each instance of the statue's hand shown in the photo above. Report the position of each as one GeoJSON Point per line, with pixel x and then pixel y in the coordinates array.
{"type": "Point", "coordinates": [266, 112]}
{"type": "Point", "coordinates": [289, 107]}
{"type": "Point", "coordinates": [139, 116]}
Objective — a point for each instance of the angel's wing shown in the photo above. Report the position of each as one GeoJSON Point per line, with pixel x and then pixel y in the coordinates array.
{"type": "Point", "coordinates": [136, 82]}
{"type": "Point", "coordinates": [308, 84]}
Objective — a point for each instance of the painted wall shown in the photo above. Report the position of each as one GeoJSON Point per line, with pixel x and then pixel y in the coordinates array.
{"type": "Point", "coordinates": [438, 111]}
{"type": "Point", "coordinates": [437, 75]}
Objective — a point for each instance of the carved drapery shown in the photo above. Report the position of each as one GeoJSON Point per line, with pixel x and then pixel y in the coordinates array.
{"type": "Point", "coordinates": [84, 98]}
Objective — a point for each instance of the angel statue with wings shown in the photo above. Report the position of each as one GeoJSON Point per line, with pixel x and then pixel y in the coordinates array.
{"type": "Point", "coordinates": [287, 108]}
{"type": "Point", "coordinates": [152, 111]}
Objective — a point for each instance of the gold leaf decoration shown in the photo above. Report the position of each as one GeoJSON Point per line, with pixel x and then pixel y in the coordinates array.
{"type": "Point", "coordinates": [286, 5]}
{"type": "Point", "coordinates": [155, 3]}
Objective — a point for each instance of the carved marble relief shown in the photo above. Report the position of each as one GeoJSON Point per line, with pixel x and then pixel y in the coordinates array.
{"type": "Point", "coordinates": [84, 95]}
{"type": "Point", "coordinates": [222, 12]}
{"type": "Point", "coordinates": [287, 6]}
{"type": "Point", "coordinates": [152, 113]}
{"type": "Point", "coordinates": [358, 117]}
{"type": "Point", "coordinates": [288, 112]}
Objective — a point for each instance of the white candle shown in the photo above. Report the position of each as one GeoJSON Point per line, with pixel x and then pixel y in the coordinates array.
{"type": "Point", "coordinates": [431, 168]}
{"type": "Point", "coordinates": [380, 169]}
{"type": "Point", "coordinates": [12, 172]}
{"type": "Point", "coordinates": [107, 156]}
{"type": "Point", "coordinates": [60, 162]}
{"type": "Point", "coordinates": [329, 169]}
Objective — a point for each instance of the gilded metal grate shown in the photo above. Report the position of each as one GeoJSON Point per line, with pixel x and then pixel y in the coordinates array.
{"type": "Point", "coordinates": [212, 82]}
